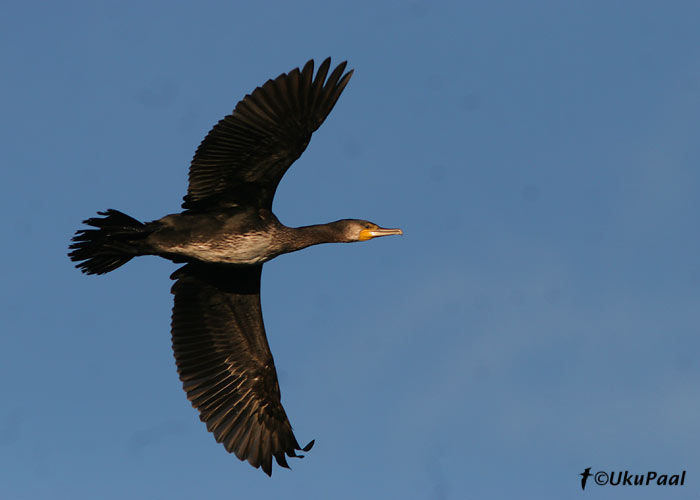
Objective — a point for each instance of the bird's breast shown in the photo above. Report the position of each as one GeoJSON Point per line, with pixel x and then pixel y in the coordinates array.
{"type": "Point", "coordinates": [246, 248]}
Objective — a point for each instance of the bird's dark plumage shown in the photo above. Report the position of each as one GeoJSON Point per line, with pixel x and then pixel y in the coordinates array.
{"type": "Point", "coordinates": [224, 236]}
{"type": "Point", "coordinates": [243, 158]}
{"type": "Point", "coordinates": [225, 363]}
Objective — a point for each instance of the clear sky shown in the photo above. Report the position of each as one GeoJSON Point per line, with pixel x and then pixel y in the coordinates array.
{"type": "Point", "coordinates": [539, 316]}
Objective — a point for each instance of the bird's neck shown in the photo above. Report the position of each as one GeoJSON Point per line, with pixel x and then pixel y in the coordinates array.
{"type": "Point", "coordinates": [297, 238]}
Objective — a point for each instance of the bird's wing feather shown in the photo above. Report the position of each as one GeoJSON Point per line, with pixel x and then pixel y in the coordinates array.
{"type": "Point", "coordinates": [243, 158]}
{"type": "Point", "coordinates": [225, 364]}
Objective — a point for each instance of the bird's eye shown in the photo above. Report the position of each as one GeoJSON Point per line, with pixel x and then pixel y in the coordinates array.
{"type": "Point", "coordinates": [368, 226]}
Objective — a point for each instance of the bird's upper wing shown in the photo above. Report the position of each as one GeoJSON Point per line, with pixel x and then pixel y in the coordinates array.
{"type": "Point", "coordinates": [243, 158]}
{"type": "Point", "coordinates": [225, 364]}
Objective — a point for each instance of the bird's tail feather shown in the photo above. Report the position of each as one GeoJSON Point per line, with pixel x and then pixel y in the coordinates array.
{"type": "Point", "coordinates": [117, 239]}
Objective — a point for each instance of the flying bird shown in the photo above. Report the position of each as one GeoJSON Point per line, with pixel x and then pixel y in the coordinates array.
{"type": "Point", "coordinates": [223, 236]}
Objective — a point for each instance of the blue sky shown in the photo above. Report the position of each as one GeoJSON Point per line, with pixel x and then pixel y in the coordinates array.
{"type": "Point", "coordinates": [539, 316]}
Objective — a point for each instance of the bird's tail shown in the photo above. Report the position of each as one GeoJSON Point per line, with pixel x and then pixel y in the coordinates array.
{"type": "Point", "coordinates": [117, 239]}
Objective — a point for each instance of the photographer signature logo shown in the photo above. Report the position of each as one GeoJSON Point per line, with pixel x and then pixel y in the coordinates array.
{"type": "Point", "coordinates": [627, 478]}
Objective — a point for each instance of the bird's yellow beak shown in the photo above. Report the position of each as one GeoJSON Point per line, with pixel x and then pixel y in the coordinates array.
{"type": "Point", "coordinates": [368, 234]}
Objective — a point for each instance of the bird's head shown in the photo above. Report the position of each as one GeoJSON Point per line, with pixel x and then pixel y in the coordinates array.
{"type": "Point", "coordinates": [362, 230]}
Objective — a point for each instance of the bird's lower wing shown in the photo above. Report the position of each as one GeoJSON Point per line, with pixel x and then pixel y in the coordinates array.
{"type": "Point", "coordinates": [225, 364]}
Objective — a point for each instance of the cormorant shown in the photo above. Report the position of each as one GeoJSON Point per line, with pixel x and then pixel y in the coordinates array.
{"type": "Point", "coordinates": [224, 235]}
